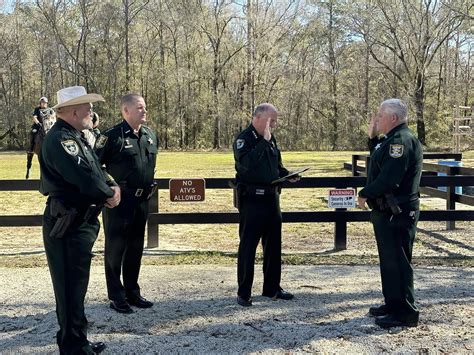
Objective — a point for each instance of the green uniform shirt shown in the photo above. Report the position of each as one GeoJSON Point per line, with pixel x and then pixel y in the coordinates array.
{"type": "Point", "coordinates": [70, 168]}
{"type": "Point", "coordinates": [396, 163]}
{"type": "Point", "coordinates": [257, 161]}
{"type": "Point", "coordinates": [129, 158]}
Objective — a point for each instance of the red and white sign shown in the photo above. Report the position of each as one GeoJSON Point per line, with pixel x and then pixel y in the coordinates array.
{"type": "Point", "coordinates": [342, 198]}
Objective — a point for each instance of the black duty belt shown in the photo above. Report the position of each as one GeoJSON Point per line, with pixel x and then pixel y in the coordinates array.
{"type": "Point", "coordinates": [410, 198]}
{"type": "Point", "coordinates": [138, 192]}
{"type": "Point", "coordinates": [72, 199]}
{"type": "Point", "coordinates": [259, 190]}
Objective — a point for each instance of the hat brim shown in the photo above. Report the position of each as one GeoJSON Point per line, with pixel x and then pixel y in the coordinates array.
{"type": "Point", "coordinates": [84, 99]}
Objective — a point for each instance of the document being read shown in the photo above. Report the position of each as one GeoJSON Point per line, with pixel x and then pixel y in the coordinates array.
{"type": "Point", "coordinates": [290, 175]}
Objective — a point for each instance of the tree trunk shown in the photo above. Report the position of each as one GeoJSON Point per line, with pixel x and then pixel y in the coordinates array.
{"type": "Point", "coordinates": [440, 82]}
{"type": "Point", "coordinates": [333, 67]}
{"type": "Point", "coordinates": [217, 126]}
{"type": "Point", "coordinates": [366, 82]}
{"type": "Point", "coordinates": [419, 97]}
{"type": "Point", "coordinates": [250, 58]}
{"type": "Point", "coordinates": [162, 92]}
{"type": "Point", "coordinates": [468, 77]}
{"type": "Point", "coordinates": [241, 103]}
{"type": "Point", "coordinates": [127, 49]}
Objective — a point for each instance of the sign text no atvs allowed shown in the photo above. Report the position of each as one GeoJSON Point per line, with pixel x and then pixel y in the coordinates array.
{"type": "Point", "coordinates": [187, 190]}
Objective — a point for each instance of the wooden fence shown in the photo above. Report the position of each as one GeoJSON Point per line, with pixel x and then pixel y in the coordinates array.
{"type": "Point", "coordinates": [340, 218]}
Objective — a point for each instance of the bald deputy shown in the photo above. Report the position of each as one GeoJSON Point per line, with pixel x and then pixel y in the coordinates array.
{"type": "Point", "coordinates": [258, 163]}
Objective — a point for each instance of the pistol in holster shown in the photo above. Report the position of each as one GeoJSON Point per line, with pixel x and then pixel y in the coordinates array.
{"type": "Point", "coordinates": [392, 203]}
{"type": "Point", "coordinates": [237, 190]}
{"type": "Point", "coordinates": [65, 217]}
{"type": "Point", "coordinates": [386, 203]}
{"type": "Point", "coordinates": [92, 212]}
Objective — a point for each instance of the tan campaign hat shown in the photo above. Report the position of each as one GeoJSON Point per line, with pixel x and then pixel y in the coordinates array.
{"type": "Point", "coordinates": [75, 95]}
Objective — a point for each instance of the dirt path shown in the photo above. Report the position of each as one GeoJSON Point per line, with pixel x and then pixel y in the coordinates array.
{"type": "Point", "coordinates": [196, 312]}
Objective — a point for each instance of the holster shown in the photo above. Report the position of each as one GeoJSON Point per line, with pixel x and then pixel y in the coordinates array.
{"type": "Point", "coordinates": [385, 203]}
{"type": "Point", "coordinates": [236, 193]}
{"type": "Point", "coordinates": [392, 204]}
{"type": "Point", "coordinates": [92, 212]}
{"type": "Point", "coordinates": [66, 216]}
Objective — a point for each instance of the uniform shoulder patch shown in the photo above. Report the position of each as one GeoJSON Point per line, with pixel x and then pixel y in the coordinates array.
{"type": "Point", "coordinates": [100, 141]}
{"type": "Point", "coordinates": [239, 143]}
{"type": "Point", "coordinates": [396, 150]}
{"type": "Point", "coordinates": [71, 147]}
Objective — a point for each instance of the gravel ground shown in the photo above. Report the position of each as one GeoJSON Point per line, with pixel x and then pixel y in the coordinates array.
{"type": "Point", "coordinates": [196, 312]}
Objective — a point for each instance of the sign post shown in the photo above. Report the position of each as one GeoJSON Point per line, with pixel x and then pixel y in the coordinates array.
{"type": "Point", "coordinates": [341, 200]}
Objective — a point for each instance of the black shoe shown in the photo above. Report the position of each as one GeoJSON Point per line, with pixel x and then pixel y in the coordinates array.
{"type": "Point", "coordinates": [121, 307]}
{"type": "Point", "coordinates": [140, 302]}
{"type": "Point", "coordinates": [244, 302]}
{"type": "Point", "coordinates": [97, 347]}
{"type": "Point", "coordinates": [280, 294]}
{"type": "Point", "coordinates": [392, 321]}
{"type": "Point", "coordinates": [379, 311]}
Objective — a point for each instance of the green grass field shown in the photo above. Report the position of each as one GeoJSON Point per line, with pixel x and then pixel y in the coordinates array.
{"type": "Point", "coordinates": [302, 242]}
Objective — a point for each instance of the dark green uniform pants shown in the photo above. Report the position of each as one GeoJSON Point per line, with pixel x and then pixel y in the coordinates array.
{"type": "Point", "coordinates": [395, 236]}
{"type": "Point", "coordinates": [124, 228]}
{"type": "Point", "coordinates": [69, 261]}
{"type": "Point", "coordinates": [260, 217]}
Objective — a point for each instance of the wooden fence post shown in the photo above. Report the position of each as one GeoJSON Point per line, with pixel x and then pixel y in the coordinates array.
{"type": "Point", "coordinates": [153, 228]}
{"type": "Point", "coordinates": [354, 165]}
{"type": "Point", "coordinates": [367, 163]}
{"type": "Point", "coordinates": [340, 232]}
{"type": "Point", "coordinates": [450, 200]}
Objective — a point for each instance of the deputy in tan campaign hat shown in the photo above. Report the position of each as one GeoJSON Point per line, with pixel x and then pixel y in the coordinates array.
{"type": "Point", "coordinates": [77, 189]}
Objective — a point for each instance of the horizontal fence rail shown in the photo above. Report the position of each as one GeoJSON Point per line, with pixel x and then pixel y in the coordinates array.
{"type": "Point", "coordinates": [339, 217]}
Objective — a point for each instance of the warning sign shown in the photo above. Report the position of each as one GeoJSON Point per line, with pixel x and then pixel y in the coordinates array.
{"type": "Point", "coordinates": [187, 190]}
{"type": "Point", "coordinates": [342, 198]}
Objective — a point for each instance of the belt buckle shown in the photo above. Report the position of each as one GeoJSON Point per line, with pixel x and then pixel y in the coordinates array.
{"type": "Point", "coordinates": [138, 193]}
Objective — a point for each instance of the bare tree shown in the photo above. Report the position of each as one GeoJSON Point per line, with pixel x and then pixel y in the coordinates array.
{"type": "Point", "coordinates": [130, 11]}
{"type": "Point", "coordinates": [216, 30]}
{"type": "Point", "coordinates": [413, 31]}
